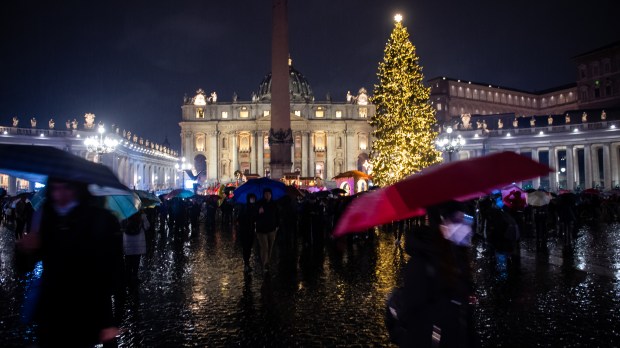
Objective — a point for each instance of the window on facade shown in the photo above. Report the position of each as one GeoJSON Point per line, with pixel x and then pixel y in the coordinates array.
{"type": "Point", "coordinates": [338, 114]}
{"type": "Point", "coordinates": [461, 92]}
{"type": "Point", "coordinates": [199, 142]}
{"type": "Point", "coordinates": [452, 90]}
{"type": "Point", "coordinates": [297, 113]}
{"type": "Point", "coordinates": [224, 114]}
{"type": "Point", "coordinates": [597, 92]}
{"type": "Point", "coordinates": [200, 113]}
{"type": "Point", "coordinates": [244, 113]}
{"type": "Point", "coordinates": [468, 93]}
{"type": "Point", "coordinates": [363, 139]}
{"type": "Point", "coordinates": [318, 172]}
{"type": "Point", "coordinates": [265, 113]}
{"type": "Point", "coordinates": [244, 143]}
{"type": "Point", "coordinates": [319, 141]}
{"type": "Point", "coordinates": [298, 142]}
{"type": "Point", "coordinates": [534, 103]}
{"type": "Point", "coordinates": [561, 99]}
{"type": "Point", "coordinates": [582, 72]}
{"type": "Point", "coordinates": [509, 99]}
{"type": "Point", "coordinates": [608, 88]}
{"type": "Point", "coordinates": [543, 103]}
{"type": "Point", "coordinates": [503, 98]}
{"type": "Point", "coordinates": [224, 143]}
{"type": "Point", "coordinates": [339, 143]}
{"type": "Point", "coordinates": [363, 112]}
{"type": "Point", "coordinates": [497, 98]}
{"type": "Point", "coordinates": [584, 94]}
{"type": "Point", "coordinates": [483, 95]}
{"type": "Point", "coordinates": [319, 113]}
{"type": "Point", "coordinates": [266, 141]}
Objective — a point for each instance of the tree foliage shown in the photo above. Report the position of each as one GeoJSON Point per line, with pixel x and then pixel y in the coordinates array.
{"type": "Point", "coordinates": [404, 135]}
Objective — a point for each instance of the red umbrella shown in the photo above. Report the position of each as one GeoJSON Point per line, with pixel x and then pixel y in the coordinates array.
{"type": "Point", "coordinates": [460, 180]}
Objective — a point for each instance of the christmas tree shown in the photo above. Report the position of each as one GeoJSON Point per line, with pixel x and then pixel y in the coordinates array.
{"type": "Point", "coordinates": [404, 136]}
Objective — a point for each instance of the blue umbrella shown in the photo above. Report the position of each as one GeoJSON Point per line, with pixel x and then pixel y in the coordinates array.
{"type": "Point", "coordinates": [256, 186]}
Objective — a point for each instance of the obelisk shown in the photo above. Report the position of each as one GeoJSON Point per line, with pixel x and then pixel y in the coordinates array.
{"type": "Point", "coordinates": [280, 134]}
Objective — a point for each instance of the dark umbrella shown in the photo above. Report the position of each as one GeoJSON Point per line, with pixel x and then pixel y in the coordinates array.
{"type": "Point", "coordinates": [460, 180]}
{"type": "Point", "coordinates": [256, 186]}
{"type": "Point", "coordinates": [339, 191]}
{"type": "Point", "coordinates": [38, 162]}
{"type": "Point", "coordinates": [148, 199]}
{"type": "Point", "coordinates": [179, 193]}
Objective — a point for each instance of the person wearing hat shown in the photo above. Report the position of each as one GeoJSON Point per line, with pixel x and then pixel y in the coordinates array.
{"type": "Point", "coordinates": [267, 225]}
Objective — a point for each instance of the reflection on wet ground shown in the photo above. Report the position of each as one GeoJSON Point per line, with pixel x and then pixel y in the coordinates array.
{"type": "Point", "coordinates": [194, 293]}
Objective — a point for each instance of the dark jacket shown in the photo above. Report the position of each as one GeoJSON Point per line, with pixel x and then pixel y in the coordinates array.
{"type": "Point", "coordinates": [436, 291]}
{"type": "Point", "coordinates": [79, 253]}
{"type": "Point", "coordinates": [269, 219]}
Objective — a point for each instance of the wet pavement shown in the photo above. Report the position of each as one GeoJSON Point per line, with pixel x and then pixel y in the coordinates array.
{"type": "Point", "coordinates": [194, 293]}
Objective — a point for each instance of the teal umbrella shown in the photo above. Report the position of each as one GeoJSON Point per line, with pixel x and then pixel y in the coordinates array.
{"type": "Point", "coordinates": [180, 193]}
{"type": "Point", "coordinates": [148, 199]}
{"type": "Point", "coordinates": [121, 205]}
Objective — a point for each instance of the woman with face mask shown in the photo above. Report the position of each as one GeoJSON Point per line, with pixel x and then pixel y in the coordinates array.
{"type": "Point", "coordinates": [438, 285]}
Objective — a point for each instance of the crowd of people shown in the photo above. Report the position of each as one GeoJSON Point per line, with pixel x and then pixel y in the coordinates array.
{"type": "Point", "coordinates": [73, 234]}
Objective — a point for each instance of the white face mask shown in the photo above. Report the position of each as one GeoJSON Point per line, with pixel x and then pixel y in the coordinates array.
{"type": "Point", "coordinates": [457, 233]}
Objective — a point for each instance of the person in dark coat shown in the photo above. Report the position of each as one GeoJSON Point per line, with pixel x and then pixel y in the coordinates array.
{"type": "Point", "coordinates": [267, 225]}
{"type": "Point", "coordinates": [77, 243]}
{"type": "Point", "coordinates": [438, 284]}
{"type": "Point", "coordinates": [246, 220]}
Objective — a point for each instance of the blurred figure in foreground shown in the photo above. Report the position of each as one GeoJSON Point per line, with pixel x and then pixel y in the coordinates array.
{"type": "Point", "coordinates": [246, 220]}
{"type": "Point", "coordinates": [78, 245]}
{"type": "Point", "coordinates": [438, 285]}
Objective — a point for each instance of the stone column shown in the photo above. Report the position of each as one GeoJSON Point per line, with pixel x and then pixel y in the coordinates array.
{"type": "Point", "coordinates": [615, 172]}
{"type": "Point", "coordinates": [535, 181]}
{"type": "Point", "coordinates": [254, 153]}
{"type": "Point", "coordinates": [260, 170]}
{"type": "Point", "coordinates": [596, 172]}
{"type": "Point", "coordinates": [587, 159]}
{"type": "Point", "coordinates": [570, 168]}
{"type": "Point", "coordinates": [351, 150]}
{"type": "Point", "coordinates": [607, 166]}
{"type": "Point", "coordinates": [235, 152]}
{"type": "Point", "coordinates": [305, 152]}
{"type": "Point", "coordinates": [330, 156]}
{"type": "Point", "coordinates": [553, 163]}
{"type": "Point", "coordinates": [212, 159]}
{"type": "Point", "coordinates": [311, 164]}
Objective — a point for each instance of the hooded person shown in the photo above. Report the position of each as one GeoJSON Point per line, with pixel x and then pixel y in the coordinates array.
{"type": "Point", "coordinates": [438, 284]}
{"type": "Point", "coordinates": [77, 242]}
{"type": "Point", "coordinates": [246, 222]}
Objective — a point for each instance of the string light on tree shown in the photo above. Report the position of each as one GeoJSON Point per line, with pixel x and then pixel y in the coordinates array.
{"type": "Point", "coordinates": [404, 121]}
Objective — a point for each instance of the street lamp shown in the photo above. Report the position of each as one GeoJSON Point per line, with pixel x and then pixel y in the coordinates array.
{"type": "Point", "coordinates": [182, 168]}
{"type": "Point", "coordinates": [99, 144]}
{"type": "Point", "coordinates": [449, 143]}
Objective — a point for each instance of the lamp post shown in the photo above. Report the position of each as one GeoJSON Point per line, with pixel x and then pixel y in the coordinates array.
{"type": "Point", "coordinates": [99, 144]}
{"type": "Point", "coordinates": [182, 167]}
{"type": "Point", "coordinates": [450, 144]}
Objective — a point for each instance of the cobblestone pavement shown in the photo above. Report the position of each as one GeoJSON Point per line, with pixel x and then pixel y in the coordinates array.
{"type": "Point", "coordinates": [194, 293]}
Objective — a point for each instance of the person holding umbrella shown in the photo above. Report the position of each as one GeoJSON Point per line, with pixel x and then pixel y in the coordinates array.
{"type": "Point", "coordinates": [246, 220]}
{"type": "Point", "coordinates": [79, 246]}
{"type": "Point", "coordinates": [267, 225]}
{"type": "Point", "coordinates": [438, 284]}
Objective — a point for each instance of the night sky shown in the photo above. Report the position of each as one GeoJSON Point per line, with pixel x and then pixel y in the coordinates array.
{"type": "Point", "coordinates": [131, 62]}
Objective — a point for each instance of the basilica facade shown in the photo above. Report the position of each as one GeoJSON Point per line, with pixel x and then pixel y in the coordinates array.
{"type": "Point", "coordinates": [222, 138]}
